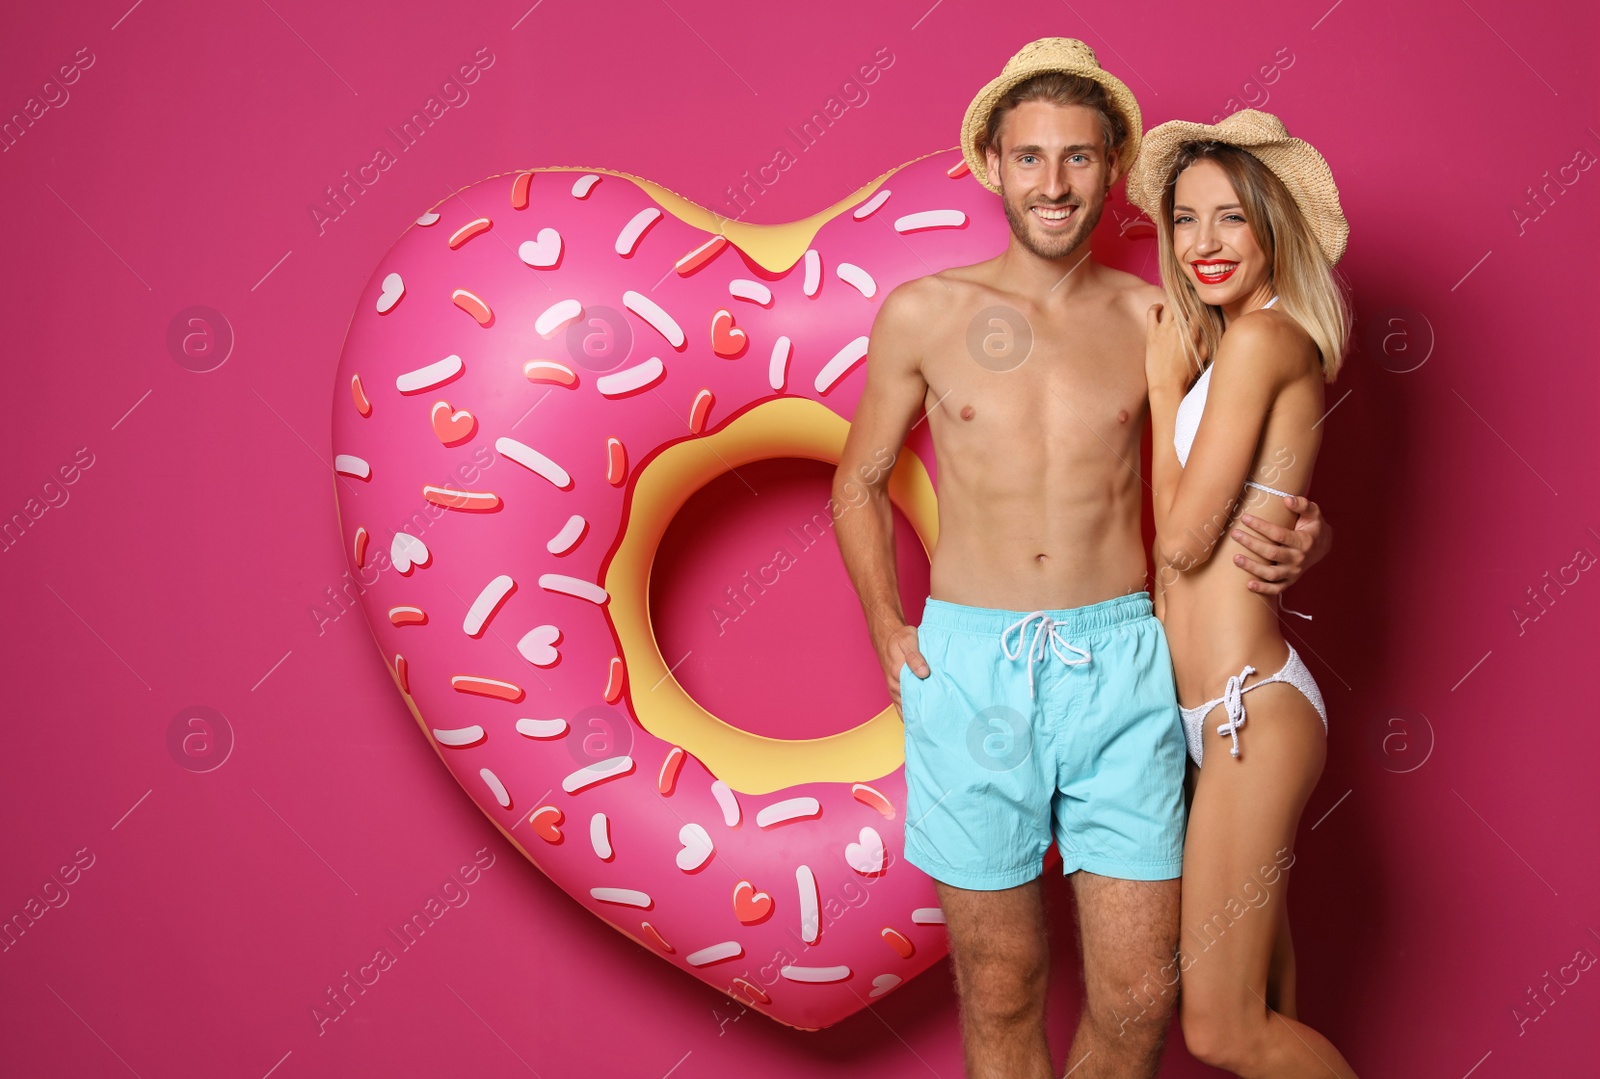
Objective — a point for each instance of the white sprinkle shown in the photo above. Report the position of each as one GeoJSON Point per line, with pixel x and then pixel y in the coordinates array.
{"type": "Point", "coordinates": [556, 316]}
{"type": "Point", "coordinates": [459, 736]}
{"type": "Point", "coordinates": [427, 219]}
{"type": "Point", "coordinates": [843, 360]}
{"type": "Point", "coordinates": [538, 646]}
{"type": "Point", "coordinates": [813, 279]}
{"type": "Point", "coordinates": [790, 809]}
{"type": "Point", "coordinates": [778, 368]}
{"type": "Point", "coordinates": [352, 466]}
{"type": "Point", "coordinates": [542, 728]}
{"type": "Point", "coordinates": [407, 551]}
{"type": "Point", "coordinates": [883, 983]}
{"type": "Point", "coordinates": [533, 461]}
{"type": "Point", "coordinates": [542, 252]}
{"type": "Point", "coordinates": [493, 781]}
{"type": "Point", "coordinates": [488, 601]}
{"type": "Point", "coordinates": [651, 312]}
{"type": "Point", "coordinates": [810, 923]}
{"type": "Point", "coordinates": [928, 916]}
{"type": "Point", "coordinates": [744, 289]}
{"type": "Point", "coordinates": [728, 801]}
{"type": "Point", "coordinates": [580, 190]}
{"type": "Point", "coordinates": [852, 274]}
{"type": "Point", "coordinates": [426, 378]}
{"type": "Point", "coordinates": [570, 533]}
{"type": "Point", "coordinates": [815, 974]}
{"type": "Point", "coordinates": [600, 836]}
{"type": "Point", "coordinates": [866, 208]}
{"type": "Point", "coordinates": [572, 586]}
{"type": "Point", "coordinates": [697, 847]}
{"type": "Point", "coordinates": [867, 856]}
{"type": "Point", "coordinates": [632, 378]}
{"type": "Point", "coordinates": [628, 897]}
{"type": "Point", "coordinates": [598, 772]}
{"type": "Point", "coordinates": [628, 238]}
{"type": "Point", "coordinates": [394, 287]}
{"type": "Point", "coordinates": [728, 949]}
{"type": "Point", "coordinates": [930, 219]}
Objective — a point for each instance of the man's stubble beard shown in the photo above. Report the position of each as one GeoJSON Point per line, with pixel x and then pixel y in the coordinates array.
{"type": "Point", "coordinates": [1021, 221]}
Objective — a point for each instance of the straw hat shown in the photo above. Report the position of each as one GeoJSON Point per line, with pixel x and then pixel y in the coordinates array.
{"type": "Point", "coordinates": [1064, 54]}
{"type": "Point", "coordinates": [1295, 162]}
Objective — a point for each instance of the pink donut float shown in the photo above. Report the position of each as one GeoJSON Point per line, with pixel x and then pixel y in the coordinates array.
{"type": "Point", "coordinates": [539, 374]}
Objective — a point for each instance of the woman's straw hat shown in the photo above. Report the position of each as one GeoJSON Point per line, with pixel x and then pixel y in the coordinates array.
{"type": "Point", "coordinates": [1295, 162]}
{"type": "Point", "coordinates": [1064, 54]}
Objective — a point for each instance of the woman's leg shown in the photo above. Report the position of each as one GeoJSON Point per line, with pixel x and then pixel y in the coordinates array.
{"type": "Point", "coordinates": [1235, 938]}
{"type": "Point", "coordinates": [1280, 975]}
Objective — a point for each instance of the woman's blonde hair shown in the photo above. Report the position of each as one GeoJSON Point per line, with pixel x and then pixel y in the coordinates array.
{"type": "Point", "coordinates": [1307, 290]}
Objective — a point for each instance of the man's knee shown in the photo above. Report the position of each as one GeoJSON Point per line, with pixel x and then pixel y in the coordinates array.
{"type": "Point", "coordinates": [1003, 986]}
{"type": "Point", "coordinates": [1135, 1016]}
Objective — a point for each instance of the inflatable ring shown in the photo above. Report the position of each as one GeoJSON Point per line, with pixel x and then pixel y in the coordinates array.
{"type": "Point", "coordinates": [539, 374]}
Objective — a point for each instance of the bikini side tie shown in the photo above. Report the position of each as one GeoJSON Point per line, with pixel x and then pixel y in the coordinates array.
{"type": "Point", "coordinates": [1047, 629]}
{"type": "Point", "coordinates": [1233, 701]}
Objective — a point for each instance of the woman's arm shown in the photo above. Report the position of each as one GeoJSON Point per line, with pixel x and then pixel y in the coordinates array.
{"type": "Point", "coordinates": [1193, 505]}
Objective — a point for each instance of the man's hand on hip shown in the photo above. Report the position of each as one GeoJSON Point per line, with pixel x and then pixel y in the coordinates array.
{"type": "Point", "coordinates": [1285, 553]}
{"type": "Point", "coordinates": [900, 649]}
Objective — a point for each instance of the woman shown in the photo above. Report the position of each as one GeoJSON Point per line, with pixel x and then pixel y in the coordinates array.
{"type": "Point", "coordinates": [1250, 228]}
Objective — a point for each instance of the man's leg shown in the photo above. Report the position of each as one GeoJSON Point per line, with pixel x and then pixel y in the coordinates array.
{"type": "Point", "coordinates": [1001, 959]}
{"type": "Point", "coordinates": [1128, 932]}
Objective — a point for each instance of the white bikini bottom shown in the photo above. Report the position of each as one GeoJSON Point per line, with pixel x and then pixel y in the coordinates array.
{"type": "Point", "coordinates": [1293, 672]}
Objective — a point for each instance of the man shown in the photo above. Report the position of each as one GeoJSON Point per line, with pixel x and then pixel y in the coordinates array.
{"type": "Point", "coordinates": [1037, 693]}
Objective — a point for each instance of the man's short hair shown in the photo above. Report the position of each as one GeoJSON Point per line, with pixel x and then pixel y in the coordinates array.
{"type": "Point", "coordinates": [1061, 88]}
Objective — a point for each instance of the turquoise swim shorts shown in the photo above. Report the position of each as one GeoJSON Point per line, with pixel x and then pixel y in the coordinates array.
{"type": "Point", "coordinates": [1037, 725]}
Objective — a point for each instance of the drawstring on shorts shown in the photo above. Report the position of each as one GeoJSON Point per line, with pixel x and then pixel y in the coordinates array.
{"type": "Point", "coordinates": [1047, 629]}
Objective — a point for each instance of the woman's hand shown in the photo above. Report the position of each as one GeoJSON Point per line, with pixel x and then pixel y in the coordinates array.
{"type": "Point", "coordinates": [1169, 356]}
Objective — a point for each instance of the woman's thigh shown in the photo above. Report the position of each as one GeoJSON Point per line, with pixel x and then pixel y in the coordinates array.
{"type": "Point", "coordinates": [1240, 844]}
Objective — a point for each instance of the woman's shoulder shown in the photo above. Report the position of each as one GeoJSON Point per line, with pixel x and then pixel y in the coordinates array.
{"type": "Point", "coordinates": [1268, 343]}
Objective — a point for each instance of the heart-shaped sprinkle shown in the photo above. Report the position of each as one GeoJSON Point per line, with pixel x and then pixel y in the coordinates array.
{"type": "Point", "coordinates": [393, 289]}
{"type": "Point", "coordinates": [749, 905]}
{"type": "Point", "coordinates": [727, 340]}
{"type": "Point", "coordinates": [543, 252]}
{"type": "Point", "coordinates": [545, 823]}
{"type": "Point", "coordinates": [883, 983]}
{"type": "Point", "coordinates": [866, 857]}
{"type": "Point", "coordinates": [407, 551]}
{"type": "Point", "coordinates": [697, 847]}
{"type": "Point", "coordinates": [538, 646]}
{"type": "Point", "coordinates": [455, 427]}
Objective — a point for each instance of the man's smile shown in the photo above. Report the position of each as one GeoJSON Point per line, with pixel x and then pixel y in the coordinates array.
{"type": "Point", "coordinates": [1054, 216]}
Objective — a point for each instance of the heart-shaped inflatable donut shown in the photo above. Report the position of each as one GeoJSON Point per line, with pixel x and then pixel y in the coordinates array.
{"type": "Point", "coordinates": [540, 373]}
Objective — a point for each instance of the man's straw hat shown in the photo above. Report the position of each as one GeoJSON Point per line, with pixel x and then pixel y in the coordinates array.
{"type": "Point", "coordinates": [1064, 54]}
{"type": "Point", "coordinates": [1295, 162]}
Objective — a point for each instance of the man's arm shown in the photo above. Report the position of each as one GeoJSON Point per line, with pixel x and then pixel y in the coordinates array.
{"type": "Point", "coordinates": [864, 528]}
{"type": "Point", "coordinates": [1286, 553]}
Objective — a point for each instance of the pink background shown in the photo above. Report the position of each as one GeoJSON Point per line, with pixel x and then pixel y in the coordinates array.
{"type": "Point", "coordinates": [1446, 863]}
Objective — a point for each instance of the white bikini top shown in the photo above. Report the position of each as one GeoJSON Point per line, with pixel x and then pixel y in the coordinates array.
{"type": "Point", "coordinates": [1187, 424]}
{"type": "Point", "coordinates": [1187, 421]}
